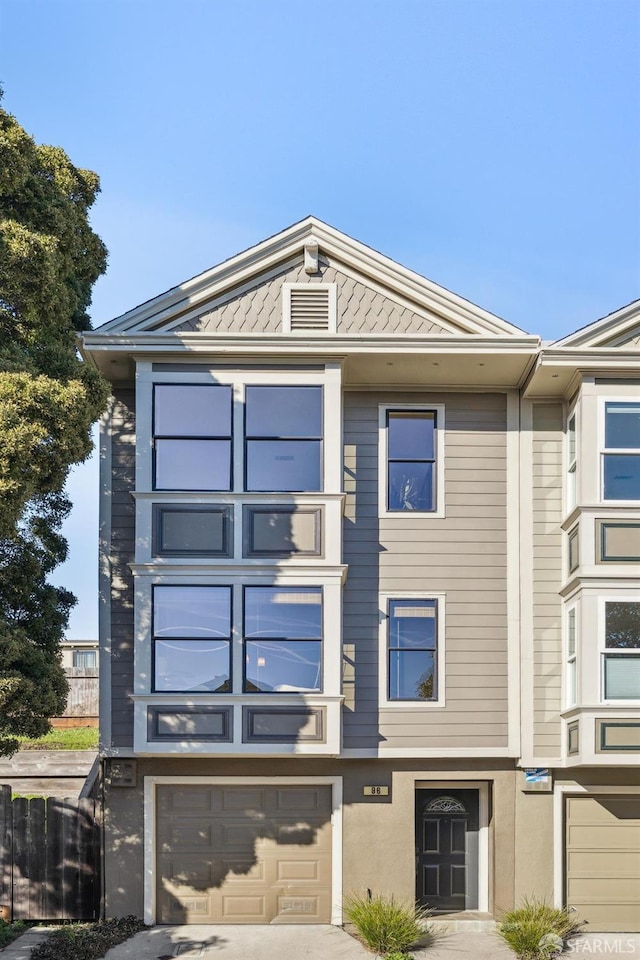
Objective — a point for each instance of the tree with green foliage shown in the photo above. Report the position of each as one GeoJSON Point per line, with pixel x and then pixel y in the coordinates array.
{"type": "Point", "coordinates": [49, 260]}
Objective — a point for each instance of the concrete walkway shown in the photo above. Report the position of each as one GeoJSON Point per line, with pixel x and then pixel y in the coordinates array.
{"type": "Point", "coordinates": [21, 948]}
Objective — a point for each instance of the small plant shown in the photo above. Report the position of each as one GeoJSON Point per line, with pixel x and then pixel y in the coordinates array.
{"type": "Point", "coordinates": [9, 931]}
{"type": "Point", "coordinates": [537, 931]}
{"type": "Point", "coordinates": [397, 955]}
{"type": "Point", "coordinates": [386, 925]}
{"type": "Point", "coordinates": [87, 941]}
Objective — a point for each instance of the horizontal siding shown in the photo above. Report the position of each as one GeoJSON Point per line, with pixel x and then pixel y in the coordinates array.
{"type": "Point", "coordinates": [122, 544]}
{"type": "Point", "coordinates": [547, 503]}
{"type": "Point", "coordinates": [462, 556]}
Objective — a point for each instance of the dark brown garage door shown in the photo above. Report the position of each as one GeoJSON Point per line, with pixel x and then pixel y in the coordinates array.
{"type": "Point", "coordinates": [244, 854]}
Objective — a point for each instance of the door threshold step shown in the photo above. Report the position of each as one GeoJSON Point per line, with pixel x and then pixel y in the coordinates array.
{"type": "Point", "coordinates": [468, 921]}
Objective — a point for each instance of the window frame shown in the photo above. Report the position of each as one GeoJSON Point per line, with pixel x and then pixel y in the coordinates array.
{"type": "Point", "coordinates": [82, 654]}
{"type": "Point", "coordinates": [154, 638]}
{"type": "Point", "coordinates": [604, 451]}
{"type": "Point", "coordinates": [384, 701]}
{"type": "Point", "coordinates": [438, 409]}
{"type": "Point", "coordinates": [571, 495]}
{"type": "Point", "coordinates": [319, 587]}
{"type": "Point", "coordinates": [571, 689]}
{"type": "Point", "coordinates": [603, 650]}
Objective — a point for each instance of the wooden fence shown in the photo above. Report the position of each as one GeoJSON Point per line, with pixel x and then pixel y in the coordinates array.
{"type": "Point", "coordinates": [49, 857]}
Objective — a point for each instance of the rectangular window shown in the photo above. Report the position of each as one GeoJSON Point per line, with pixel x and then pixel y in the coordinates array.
{"type": "Point", "coordinates": [192, 639]}
{"type": "Point", "coordinates": [283, 628]}
{"type": "Point", "coordinates": [574, 549]}
{"type": "Point", "coordinates": [572, 683]}
{"type": "Point", "coordinates": [572, 462]}
{"type": "Point", "coordinates": [191, 531]}
{"type": "Point", "coordinates": [283, 432]}
{"type": "Point", "coordinates": [192, 437]}
{"type": "Point", "coordinates": [621, 455]}
{"type": "Point", "coordinates": [85, 659]}
{"type": "Point", "coordinates": [621, 658]}
{"type": "Point", "coordinates": [411, 455]}
{"type": "Point", "coordinates": [412, 649]}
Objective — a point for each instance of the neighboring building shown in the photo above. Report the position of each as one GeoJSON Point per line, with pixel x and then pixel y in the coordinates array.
{"type": "Point", "coordinates": [79, 655]}
{"type": "Point", "coordinates": [80, 662]}
{"type": "Point", "coordinates": [370, 557]}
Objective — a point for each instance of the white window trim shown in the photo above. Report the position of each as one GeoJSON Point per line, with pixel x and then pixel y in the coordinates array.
{"type": "Point", "coordinates": [150, 815]}
{"type": "Point", "coordinates": [439, 410]}
{"type": "Point", "coordinates": [384, 702]}
{"type": "Point", "coordinates": [603, 649]}
{"type": "Point", "coordinates": [570, 701]}
{"type": "Point", "coordinates": [572, 486]}
{"type": "Point", "coordinates": [603, 450]}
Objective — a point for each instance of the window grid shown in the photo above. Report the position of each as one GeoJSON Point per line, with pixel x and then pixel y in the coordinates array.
{"type": "Point", "coordinates": [620, 458]}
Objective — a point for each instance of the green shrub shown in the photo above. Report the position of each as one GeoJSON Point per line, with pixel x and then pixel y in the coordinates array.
{"type": "Point", "coordinates": [9, 931]}
{"type": "Point", "coordinates": [397, 955]}
{"type": "Point", "coordinates": [87, 941]}
{"type": "Point", "coordinates": [537, 931]}
{"type": "Point", "coordinates": [386, 925]}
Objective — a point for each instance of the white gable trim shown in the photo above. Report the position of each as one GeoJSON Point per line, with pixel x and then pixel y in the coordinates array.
{"type": "Point", "coordinates": [616, 327]}
{"type": "Point", "coordinates": [446, 307]}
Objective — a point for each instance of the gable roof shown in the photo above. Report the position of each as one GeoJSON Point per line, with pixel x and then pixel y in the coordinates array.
{"type": "Point", "coordinates": [454, 314]}
{"type": "Point", "coordinates": [620, 328]}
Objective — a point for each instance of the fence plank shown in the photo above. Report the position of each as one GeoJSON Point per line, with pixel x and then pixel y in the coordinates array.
{"type": "Point", "coordinates": [21, 839]}
{"type": "Point", "coordinates": [37, 861]}
{"type": "Point", "coordinates": [53, 860]}
{"type": "Point", "coordinates": [6, 845]}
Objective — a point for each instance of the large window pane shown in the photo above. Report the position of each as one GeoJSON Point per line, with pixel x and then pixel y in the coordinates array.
{"type": "Point", "coordinates": [621, 476]}
{"type": "Point", "coordinates": [292, 612]}
{"type": "Point", "coordinates": [412, 623]}
{"type": "Point", "coordinates": [622, 625]}
{"type": "Point", "coordinates": [621, 677]}
{"type": "Point", "coordinates": [284, 412]}
{"type": "Point", "coordinates": [192, 665]}
{"type": "Point", "coordinates": [411, 486]}
{"type": "Point", "coordinates": [411, 675]}
{"type": "Point", "coordinates": [622, 426]}
{"type": "Point", "coordinates": [283, 666]}
{"type": "Point", "coordinates": [284, 465]}
{"type": "Point", "coordinates": [191, 611]}
{"type": "Point", "coordinates": [193, 465]}
{"type": "Point", "coordinates": [411, 434]}
{"type": "Point", "coordinates": [192, 410]}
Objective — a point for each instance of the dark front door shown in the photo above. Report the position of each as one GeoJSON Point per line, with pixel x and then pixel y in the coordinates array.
{"type": "Point", "coordinates": [447, 849]}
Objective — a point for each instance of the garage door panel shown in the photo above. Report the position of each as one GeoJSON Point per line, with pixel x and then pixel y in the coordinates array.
{"type": "Point", "coordinates": [245, 855]}
{"type": "Point", "coordinates": [603, 861]}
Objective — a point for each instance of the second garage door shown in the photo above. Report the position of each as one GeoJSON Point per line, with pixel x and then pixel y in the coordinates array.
{"type": "Point", "coordinates": [254, 854]}
{"type": "Point", "coordinates": [603, 861]}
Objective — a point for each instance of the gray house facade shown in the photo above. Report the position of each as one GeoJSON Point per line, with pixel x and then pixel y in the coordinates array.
{"type": "Point", "coordinates": [370, 605]}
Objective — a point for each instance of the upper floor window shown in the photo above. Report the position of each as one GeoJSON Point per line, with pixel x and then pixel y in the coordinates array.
{"type": "Point", "coordinates": [282, 639]}
{"type": "Point", "coordinates": [621, 454]}
{"type": "Point", "coordinates": [571, 674]}
{"type": "Point", "coordinates": [411, 459]}
{"type": "Point", "coordinates": [192, 639]}
{"type": "Point", "coordinates": [283, 431]}
{"type": "Point", "coordinates": [192, 437]}
{"type": "Point", "coordinates": [85, 659]}
{"type": "Point", "coordinates": [621, 657]}
{"type": "Point", "coordinates": [412, 646]}
{"type": "Point", "coordinates": [193, 434]}
{"type": "Point", "coordinates": [572, 462]}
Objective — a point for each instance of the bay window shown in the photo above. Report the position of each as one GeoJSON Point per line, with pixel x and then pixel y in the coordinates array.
{"type": "Point", "coordinates": [621, 657]}
{"type": "Point", "coordinates": [621, 454]}
{"type": "Point", "coordinates": [192, 639]}
{"type": "Point", "coordinates": [192, 437]}
{"type": "Point", "coordinates": [283, 431]}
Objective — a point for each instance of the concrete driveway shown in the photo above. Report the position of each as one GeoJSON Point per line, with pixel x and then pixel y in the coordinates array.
{"type": "Point", "coordinates": [304, 942]}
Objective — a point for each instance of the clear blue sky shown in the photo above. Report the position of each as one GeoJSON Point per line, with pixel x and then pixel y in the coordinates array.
{"type": "Point", "coordinates": [492, 145]}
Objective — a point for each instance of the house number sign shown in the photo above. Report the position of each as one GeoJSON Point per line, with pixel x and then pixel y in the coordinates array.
{"type": "Point", "coordinates": [375, 791]}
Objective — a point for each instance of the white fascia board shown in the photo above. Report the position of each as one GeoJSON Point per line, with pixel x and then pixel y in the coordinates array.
{"type": "Point", "coordinates": [264, 256]}
{"type": "Point", "coordinates": [279, 345]}
{"type": "Point", "coordinates": [613, 325]}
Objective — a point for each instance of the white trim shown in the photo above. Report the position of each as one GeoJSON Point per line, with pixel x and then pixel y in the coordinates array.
{"type": "Point", "coordinates": [560, 791]}
{"type": "Point", "coordinates": [482, 786]}
{"type": "Point", "coordinates": [487, 753]}
{"type": "Point", "coordinates": [526, 581]}
{"type": "Point", "coordinates": [613, 326]}
{"type": "Point", "coordinates": [384, 701]}
{"type": "Point", "coordinates": [150, 784]}
{"type": "Point", "coordinates": [513, 568]}
{"type": "Point", "coordinates": [104, 581]}
{"type": "Point", "coordinates": [440, 429]}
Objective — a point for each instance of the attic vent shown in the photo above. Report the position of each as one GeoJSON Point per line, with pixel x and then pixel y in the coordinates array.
{"type": "Point", "coordinates": [309, 307]}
